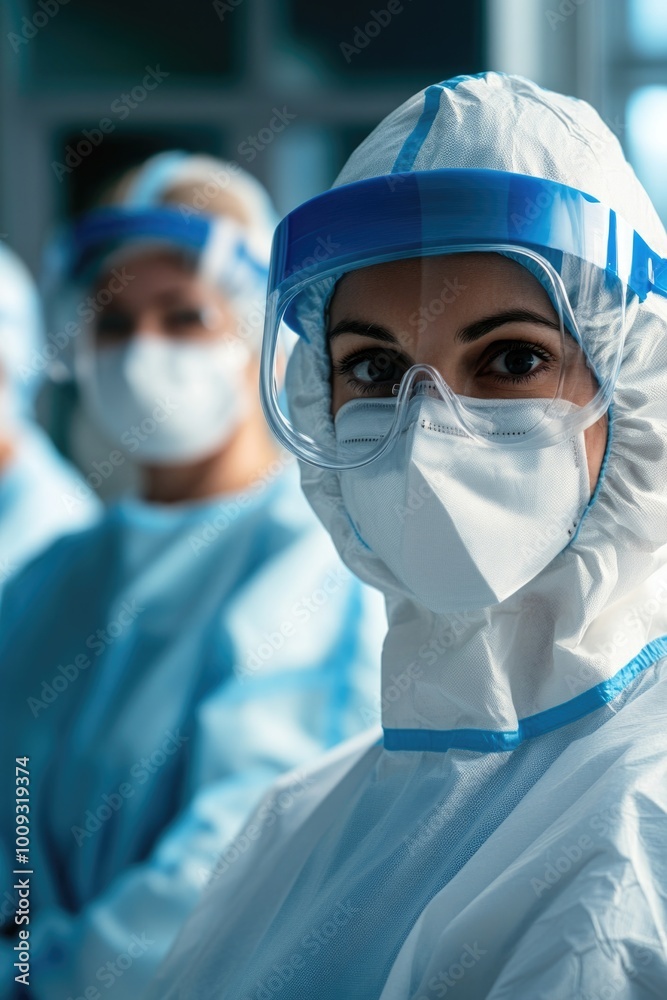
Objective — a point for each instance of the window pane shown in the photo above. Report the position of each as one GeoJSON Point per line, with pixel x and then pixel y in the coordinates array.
{"type": "Point", "coordinates": [109, 41]}
{"type": "Point", "coordinates": [356, 40]}
{"type": "Point", "coordinates": [647, 142]}
{"type": "Point", "coordinates": [648, 26]}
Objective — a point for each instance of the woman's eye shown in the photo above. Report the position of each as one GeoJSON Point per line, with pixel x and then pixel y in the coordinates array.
{"type": "Point", "coordinates": [114, 325]}
{"type": "Point", "coordinates": [370, 370]}
{"type": "Point", "coordinates": [377, 369]}
{"type": "Point", "coordinates": [517, 362]}
{"type": "Point", "coordinates": [184, 318]}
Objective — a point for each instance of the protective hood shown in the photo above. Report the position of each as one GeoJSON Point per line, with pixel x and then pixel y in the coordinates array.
{"type": "Point", "coordinates": [234, 255]}
{"type": "Point", "coordinates": [575, 636]}
{"type": "Point", "coordinates": [21, 334]}
{"type": "Point", "coordinates": [146, 213]}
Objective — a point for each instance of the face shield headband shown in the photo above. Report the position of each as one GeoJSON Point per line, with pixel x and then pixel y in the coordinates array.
{"type": "Point", "coordinates": [216, 248]}
{"type": "Point", "coordinates": [218, 244]}
{"type": "Point", "coordinates": [587, 259]}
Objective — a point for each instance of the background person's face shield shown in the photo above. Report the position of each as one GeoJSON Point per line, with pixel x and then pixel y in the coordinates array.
{"type": "Point", "coordinates": [447, 299]}
{"type": "Point", "coordinates": [89, 271]}
{"type": "Point", "coordinates": [163, 353]}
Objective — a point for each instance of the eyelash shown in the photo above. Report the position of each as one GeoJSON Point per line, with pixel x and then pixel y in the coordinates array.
{"type": "Point", "coordinates": [343, 367]}
{"type": "Point", "coordinates": [524, 345]}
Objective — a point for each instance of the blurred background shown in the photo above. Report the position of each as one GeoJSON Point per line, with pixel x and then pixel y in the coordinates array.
{"type": "Point", "coordinates": [221, 69]}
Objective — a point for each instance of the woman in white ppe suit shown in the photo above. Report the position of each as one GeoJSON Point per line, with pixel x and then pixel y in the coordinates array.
{"type": "Point", "coordinates": [479, 394]}
{"type": "Point", "coordinates": [162, 669]}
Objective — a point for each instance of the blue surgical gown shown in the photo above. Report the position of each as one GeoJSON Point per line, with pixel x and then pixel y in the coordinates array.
{"type": "Point", "coordinates": [160, 670]}
{"type": "Point", "coordinates": [41, 498]}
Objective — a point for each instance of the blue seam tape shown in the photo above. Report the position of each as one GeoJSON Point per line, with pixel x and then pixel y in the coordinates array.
{"type": "Point", "coordinates": [414, 142]}
{"type": "Point", "coordinates": [611, 425]}
{"type": "Point", "coordinates": [490, 741]}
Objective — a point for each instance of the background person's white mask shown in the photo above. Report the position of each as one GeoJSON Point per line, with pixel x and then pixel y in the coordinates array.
{"type": "Point", "coordinates": [168, 401]}
{"type": "Point", "coordinates": [462, 525]}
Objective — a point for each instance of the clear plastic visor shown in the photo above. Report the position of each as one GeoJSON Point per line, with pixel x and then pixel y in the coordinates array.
{"type": "Point", "coordinates": [479, 341]}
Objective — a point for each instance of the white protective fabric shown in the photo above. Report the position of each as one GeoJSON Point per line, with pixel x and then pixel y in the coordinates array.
{"type": "Point", "coordinates": [20, 334]}
{"type": "Point", "coordinates": [164, 173]}
{"type": "Point", "coordinates": [167, 400]}
{"type": "Point", "coordinates": [422, 504]}
{"type": "Point", "coordinates": [409, 874]}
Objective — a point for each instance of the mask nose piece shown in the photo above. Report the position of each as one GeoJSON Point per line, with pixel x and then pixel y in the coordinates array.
{"type": "Point", "coordinates": [422, 384]}
{"type": "Point", "coordinates": [423, 380]}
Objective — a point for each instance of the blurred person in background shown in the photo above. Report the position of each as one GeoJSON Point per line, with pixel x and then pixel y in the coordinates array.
{"type": "Point", "coordinates": [164, 667]}
{"type": "Point", "coordinates": [35, 481]}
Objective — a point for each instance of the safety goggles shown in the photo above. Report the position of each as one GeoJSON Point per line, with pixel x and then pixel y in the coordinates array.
{"type": "Point", "coordinates": [498, 297]}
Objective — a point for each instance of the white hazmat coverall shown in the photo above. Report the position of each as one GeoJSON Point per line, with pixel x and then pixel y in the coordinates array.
{"type": "Point", "coordinates": [536, 866]}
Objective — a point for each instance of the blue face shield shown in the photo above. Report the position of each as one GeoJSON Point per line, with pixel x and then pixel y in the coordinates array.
{"type": "Point", "coordinates": [527, 381]}
{"type": "Point", "coordinates": [218, 245]}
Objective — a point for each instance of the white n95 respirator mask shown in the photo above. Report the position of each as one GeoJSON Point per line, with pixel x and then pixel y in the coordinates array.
{"type": "Point", "coordinates": [167, 401]}
{"type": "Point", "coordinates": [461, 525]}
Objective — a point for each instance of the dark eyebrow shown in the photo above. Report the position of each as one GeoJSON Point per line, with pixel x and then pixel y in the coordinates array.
{"type": "Point", "coordinates": [466, 335]}
{"type": "Point", "coordinates": [373, 330]}
{"type": "Point", "coordinates": [171, 295]}
{"type": "Point", "coordinates": [473, 331]}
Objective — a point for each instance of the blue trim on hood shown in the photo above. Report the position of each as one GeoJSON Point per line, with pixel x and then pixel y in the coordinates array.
{"type": "Point", "coordinates": [409, 151]}
{"type": "Point", "coordinates": [602, 475]}
{"type": "Point", "coordinates": [490, 741]}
